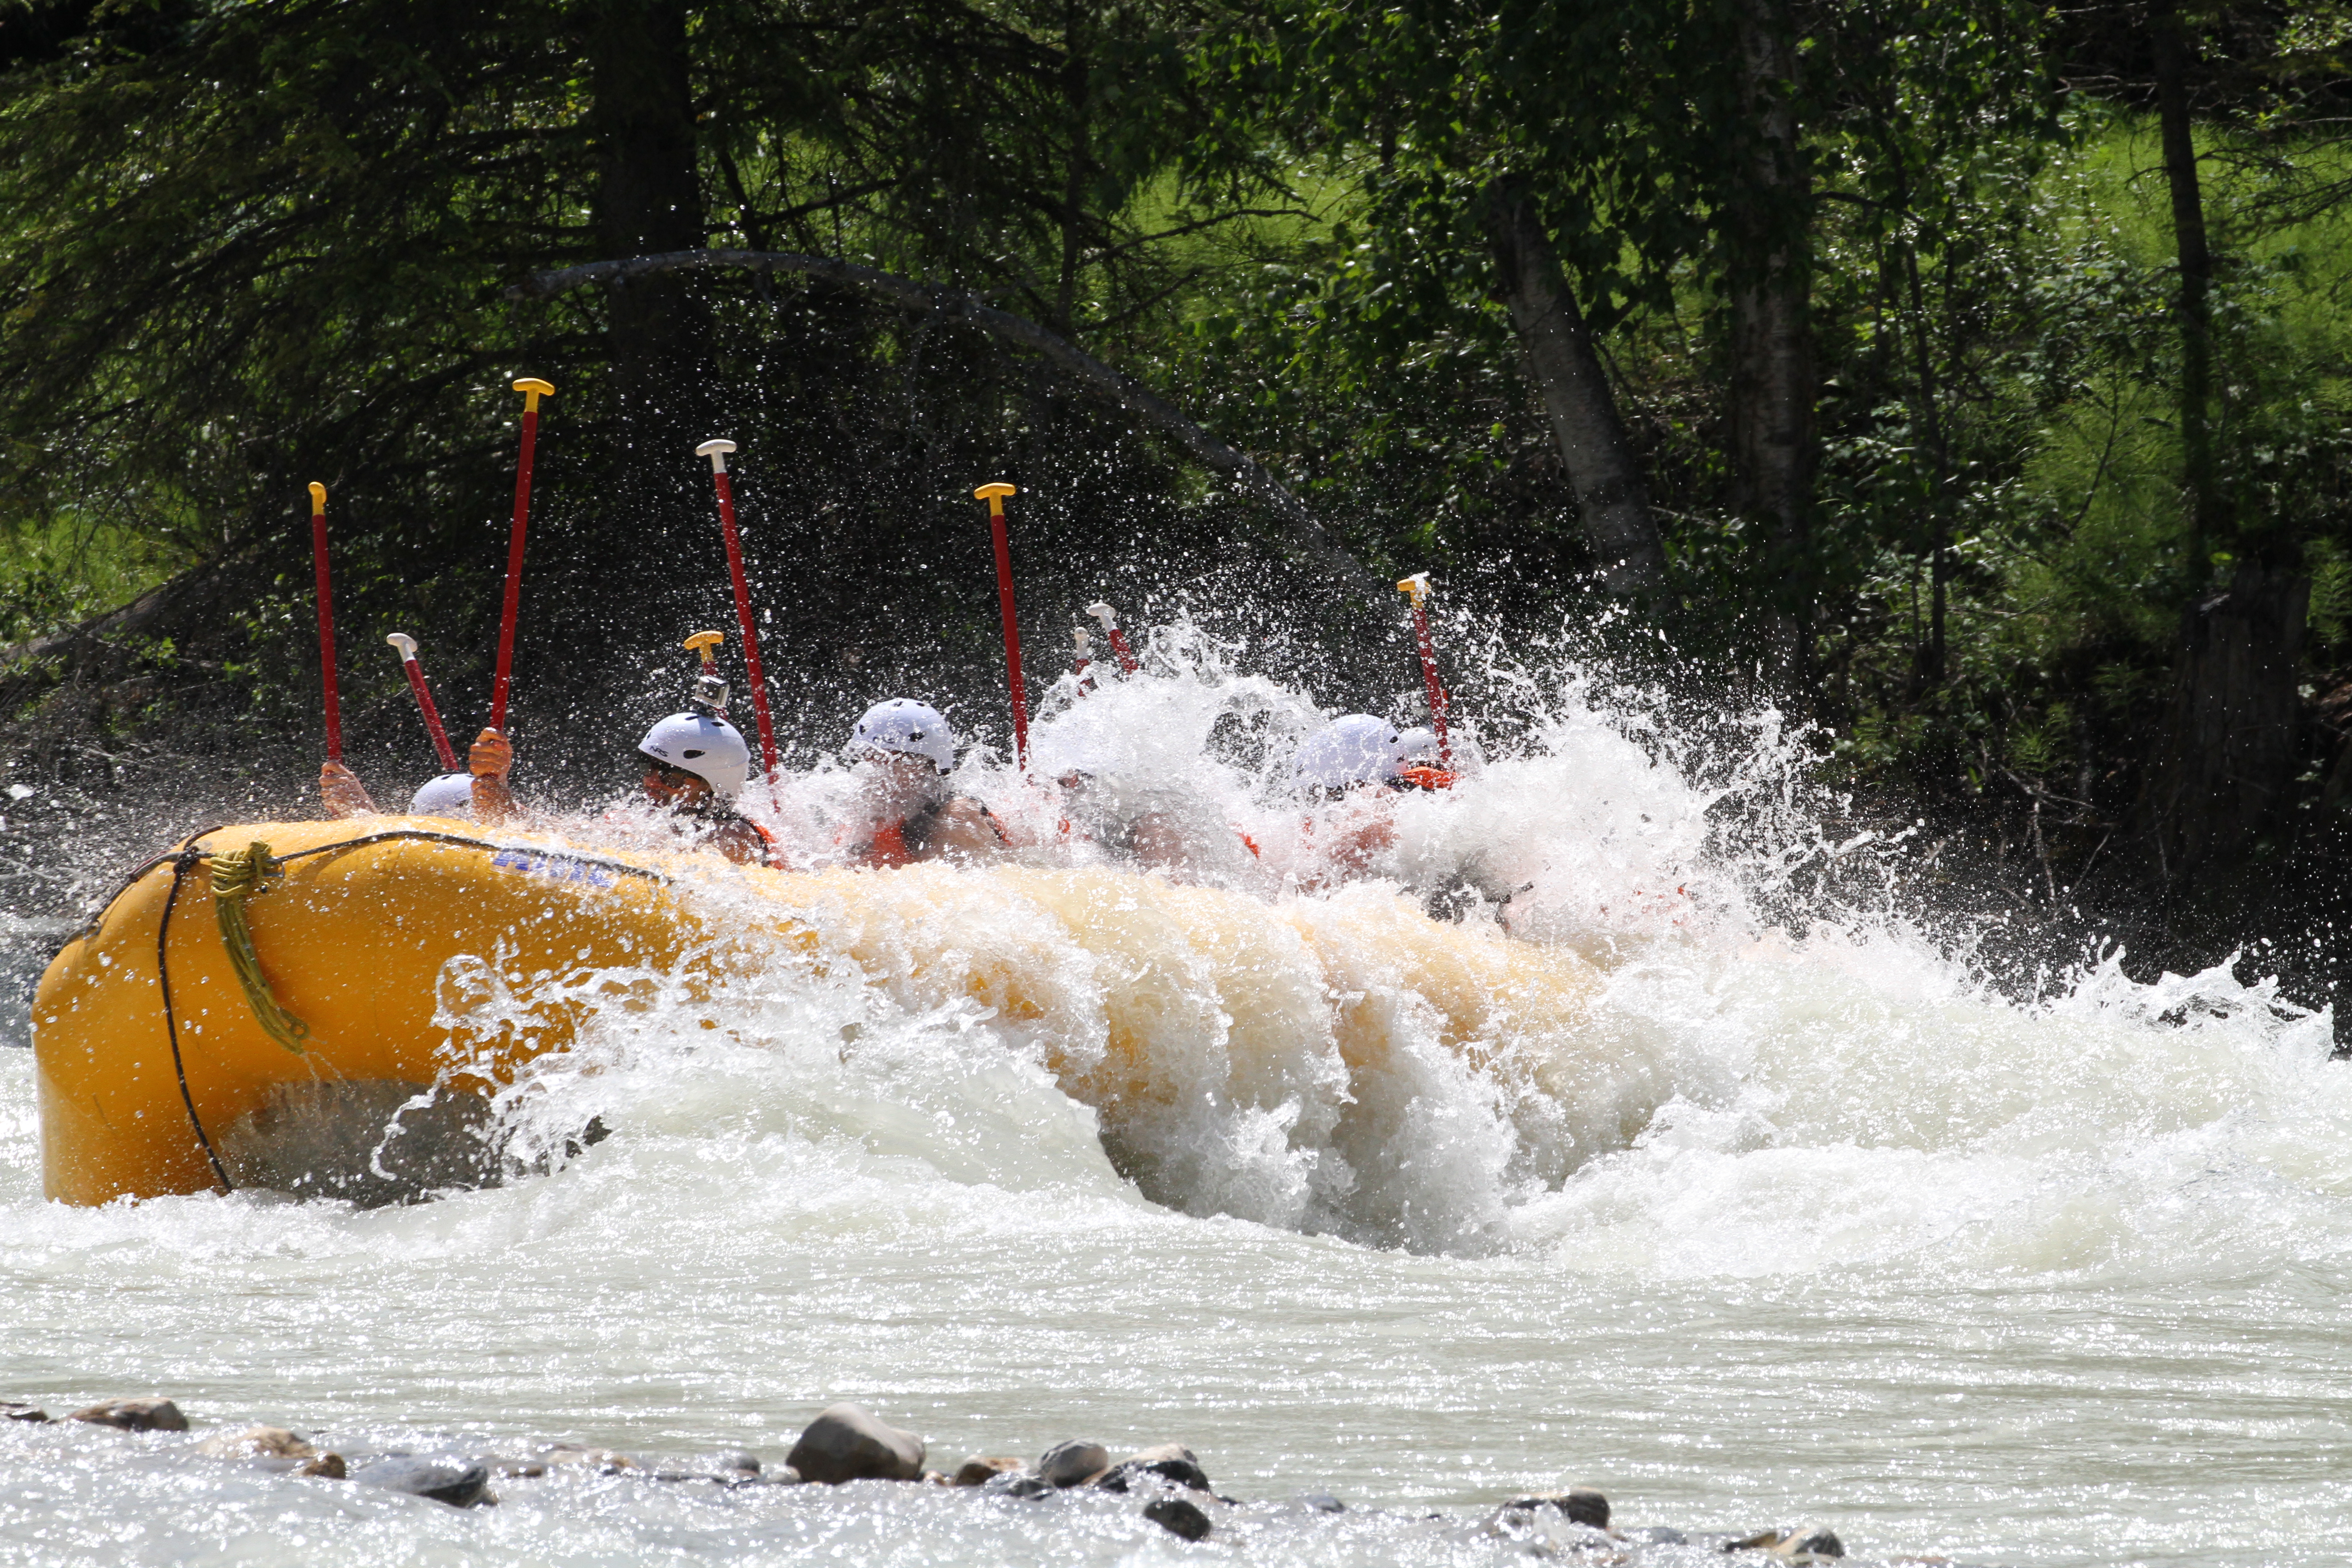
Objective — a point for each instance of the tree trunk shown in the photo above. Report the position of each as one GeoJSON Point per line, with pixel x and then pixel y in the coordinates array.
{"type": "Point", "coordinates": [1774, 379]}
{"type": "Point", "coordinates": [2207, 523]}
{"type": "Point", "coordinates": [648, 202]}
{"type": "Point", "coordinates": [1610, 498]}
{"type": "Point", "coordinates": [632, 553]}
{"type": "Point", "coordinates": [2227, 758]}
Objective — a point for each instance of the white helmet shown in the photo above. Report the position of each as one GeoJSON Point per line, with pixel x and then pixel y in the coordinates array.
{"type": "Point", "coordinates": [1418, 741]}
{"type": "Point", "coordinates": [451, 794]}
{"type": "Point", "coordinates": [704, 746]}
{"type": "Point", "coordinates": [1354, 749]}
{"type": "Point", "coordinates": [908, 727]}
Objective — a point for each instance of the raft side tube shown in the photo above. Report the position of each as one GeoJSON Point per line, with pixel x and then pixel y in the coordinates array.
{"type": "Point", "coordinates": [352, 941]}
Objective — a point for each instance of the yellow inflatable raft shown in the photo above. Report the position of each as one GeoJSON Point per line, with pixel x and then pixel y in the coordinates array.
{"type": "Point", "coordinates": [256, 1006]}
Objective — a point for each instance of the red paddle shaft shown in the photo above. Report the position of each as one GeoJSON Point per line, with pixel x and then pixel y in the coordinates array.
{"type": "Point", "coordinates": [1418, 587]}
{"type": "Point", "coordinates": [415, 673]}
{"type": "Point", "coordinates": [1109, 619]}
{"type": "Point", "coordinates": [716, 452]}
{"type": "Point", "coordinates": [532, 391]}
{"type": "Point", "coordinates": [994, 494]}
{"type": "Point", "coordinates": [326, 622]}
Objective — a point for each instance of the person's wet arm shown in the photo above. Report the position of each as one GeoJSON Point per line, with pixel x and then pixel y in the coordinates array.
{"type": "Point", "coordinates": [966, 830]}
{"type": "Point", "coordinates": [340, 790]}
{"type": "Point", "coordinates": [491, 759]}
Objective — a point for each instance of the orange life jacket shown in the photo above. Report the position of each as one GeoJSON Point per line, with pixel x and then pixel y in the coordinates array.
{"type": "Point", "coordinates": [902, 842]}
{"type": "Point", "coordinates": [888, 848]}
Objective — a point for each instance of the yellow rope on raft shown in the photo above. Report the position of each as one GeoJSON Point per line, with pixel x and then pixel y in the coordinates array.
{"type": "Point", "coordinates": [236, 879]}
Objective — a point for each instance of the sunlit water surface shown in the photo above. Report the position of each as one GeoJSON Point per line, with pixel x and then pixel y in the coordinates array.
{"type": "Point", "coordinates": [1857, 1241]}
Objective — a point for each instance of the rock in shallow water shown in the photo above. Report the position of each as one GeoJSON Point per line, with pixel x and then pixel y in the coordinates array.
{"type": "Point", "coordinates": [134, 1416]}
{"type": "Point", "coordinates": [1017, 1484]}
{"type": "Point", "coordinates": [1170, 1462]}
{"type": "Point", "coordinates": [1178, 1517]}
{"type": "Point", "coordinates": [1072, 1463]}
{"type": "Point", "coordinates": [846, 1443]}
{"type": "Point", "coordinates": [1805, 1544]}
{"type": "Point", "coordinates": [604, 1461]}
{"type": "Point", "coordinates": [980, 1472]}
{"type": "Point", "coordinates": [1582, 1505]}
{"type": "Point", "coordinates": [257, 1443]}
{"type": "Point", "coordinates": [16, 1410]}
{"type": "Point", "coordinates": [460, 1483]}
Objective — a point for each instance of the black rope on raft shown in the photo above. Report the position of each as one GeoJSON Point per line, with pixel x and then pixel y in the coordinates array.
{"type": "Point", "coordinates": [430, 836]}
{"type": "Point", "coordinates": [187, 855]}
{"type": "Point", "coordinates": [184, 857]}
{"type": "Point", "coordinates": [180, 864]}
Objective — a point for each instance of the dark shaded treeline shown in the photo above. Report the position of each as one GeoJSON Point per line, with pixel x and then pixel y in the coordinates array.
{"type": "Point", "coordinates": [1844, 345]}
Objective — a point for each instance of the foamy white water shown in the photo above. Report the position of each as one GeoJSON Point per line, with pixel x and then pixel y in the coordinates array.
{"type": "Point", "coordinates": [1782, 1228]}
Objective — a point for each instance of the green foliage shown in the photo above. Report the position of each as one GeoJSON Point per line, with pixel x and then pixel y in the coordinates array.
{"type": "Point", "coordinates": [68, 570]}
{"type": "Point", "coordinates": [247, 245]}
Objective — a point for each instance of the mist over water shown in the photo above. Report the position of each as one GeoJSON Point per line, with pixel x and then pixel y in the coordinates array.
{"type": "Point", "coordinates": [1746, 1219]}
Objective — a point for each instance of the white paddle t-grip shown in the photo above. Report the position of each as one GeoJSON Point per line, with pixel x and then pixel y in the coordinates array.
{"type": "Point", "coordinates": [716, 452]}
{"type": "Point", "coordinates": [405, 644]}
{"type": "Point", "coordinates": [1106, 614]}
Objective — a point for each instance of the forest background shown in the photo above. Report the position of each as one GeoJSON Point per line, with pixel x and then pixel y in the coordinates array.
{"type": "Point", "coordinates": [1966, 377]}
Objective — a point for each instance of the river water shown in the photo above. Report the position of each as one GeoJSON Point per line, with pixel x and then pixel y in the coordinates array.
{"type": "Point", "coordinates": [1782, 1226]}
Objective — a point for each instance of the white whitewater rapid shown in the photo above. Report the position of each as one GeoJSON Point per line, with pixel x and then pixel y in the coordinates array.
{"type": "Point", "coordinates": [1792, 1225]}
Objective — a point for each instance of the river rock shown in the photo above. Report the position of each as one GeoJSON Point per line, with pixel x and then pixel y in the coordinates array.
{"type": "Point", "coordinates": [1582, 1505]}
{"type": "Point", "coordinates": [157, 1415]}
{"type": "Point", "coordinates": [16, 1410]}
{"type": "Point", "coordinates": [980, 1472]}
{"type": "Point", "coordinates": [257, 1443]}
{"type": "Point", "coordinates": [846, 1443]}
{"type": "Point", "coordinates": [1808, 1543]}
{"type": "Point", "coordinates": [604, 1461]}
{"type": "Point", "coordinates": [1073, 1464]}
{"type": "Point", "coordinates": [1169, 1461]}
{"type": "Point", "coordinates": [1320, 1503]}
{"type": "Point", "coordinates": [326, 1466]}
{"type": "Point", "coordinates": [1177, 1517]}
{"type": "Point", "coordinates": [460, 1483]}
{"type": "Point", "coordinates": [1017, 1484]}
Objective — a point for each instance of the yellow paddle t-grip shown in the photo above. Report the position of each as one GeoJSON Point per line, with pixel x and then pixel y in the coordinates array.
{"type": "Point", "coordinates": [993, 494]}
{"type": "Point", "coordinates": [532, 390]}
{"type": "Point", "coordinates": [702, 643]}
